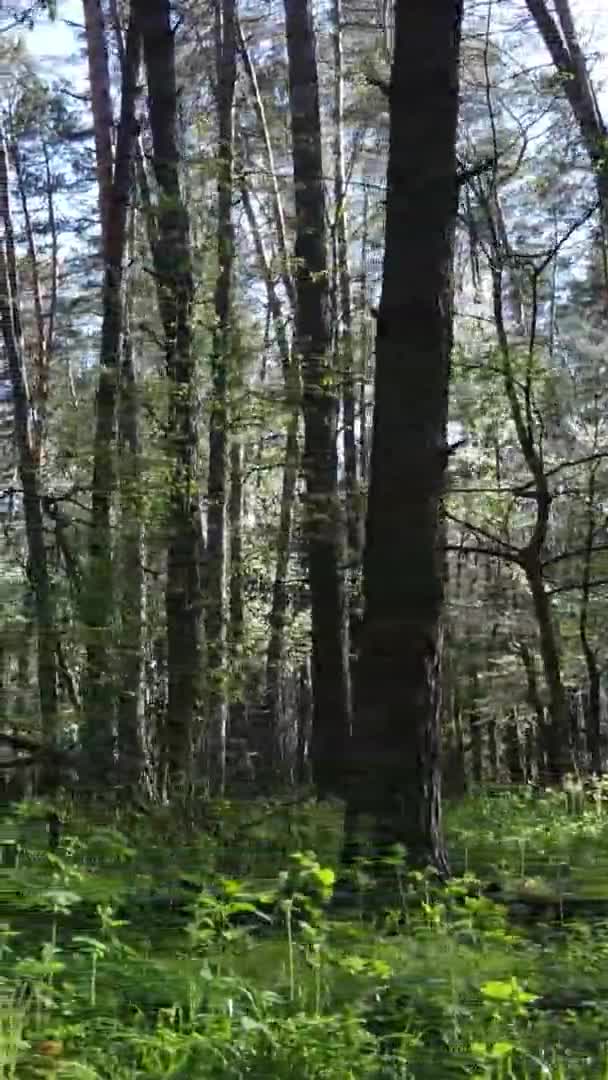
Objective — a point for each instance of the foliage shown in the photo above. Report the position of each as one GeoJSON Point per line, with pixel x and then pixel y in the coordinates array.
{"type": "Point", "coordinates": [449, 984]}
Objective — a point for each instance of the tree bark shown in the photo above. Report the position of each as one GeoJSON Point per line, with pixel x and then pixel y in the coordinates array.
{"type": "Point", "coordinates": [216, 718]}
{"type": "Point", "coordinates": [323, 518]}
{"type": "Point", "coordinates": [395, 770]}
{"type": "Point", "coordinates": [513, 748]}
{"type": "Point", "coordinates": [131, 712]}
{"type": "Point", "coordinates": [562, 44]}
{"type": "Point", "coordinates": [344, 330]}
{"type": "Point", "coordinates": [557, 733]}
{"type": "Point", "coordinates": [593, 704]}
{"type": "Point", "coordinates": [236, 606]}
{"type": "Point", "coordinates": [277, 619]}
{"type": "Point", "coordinates": [530, 557]}
{"type": "Point", "coordinates": [100, 679]}
{"type": "Point", "coordinates": [101, 108]}
{"type": "Point", "coordinates": [29, 469]}
{"type": "Point", "coordinates": [539, 724]}
{"type": "Point", "coordinates": [173, 268]}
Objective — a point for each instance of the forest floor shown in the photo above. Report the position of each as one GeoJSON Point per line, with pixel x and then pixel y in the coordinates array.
{"type": "Point", "coordinates": [135, 950]}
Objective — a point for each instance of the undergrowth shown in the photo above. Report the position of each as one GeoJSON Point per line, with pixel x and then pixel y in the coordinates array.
{"type": "Point", "coordinates": [140, 948]}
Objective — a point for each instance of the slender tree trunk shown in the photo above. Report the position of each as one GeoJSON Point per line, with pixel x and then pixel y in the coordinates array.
{"type": "Point", "coordinates": [236, 609]}
{"type": "Point", "coordinates": [323, 518]}
{"type": "Point", "coordinates": [476, 730]}
{"type": "Point", "coordinates": [493, 750]}
{"type": "Point", "coordinates": [531, 556]}
{"type": "Point", "coordinates": [535, 702]}
{"type": "Point", "coordinates": [276, 201]}
{"type": "Point", "coordinates": [173, 267]}
{"type": "Point", "coordinates": [561, 42]}
{"type": "Point", "coordinates": [218, 421]}
{"type": "Point", "coordinates": [559, 749]}
{"type": "Point", "coordinates": [593, 710]}
{"type": "Point", "coordinates": [131, 711]}
{"type": "Point", "coordinates": [275, 656]}
{"type": "Point", "coordinates": [395, 769]}
{"type": "Point", "coordinates": [39, 389]}
{"type": "Point", "coordinates": [101, 107]}
{"type": "Point", "coordinates": [513, 748]}
{"type": "Point", "coordinates": [29, 468]}
{"type": "Point", "coordinates": [365, 349]}
{"type": "Point", "coordinates": [100, 679]}
{"type": "Point", "coordinates": [344, 330]}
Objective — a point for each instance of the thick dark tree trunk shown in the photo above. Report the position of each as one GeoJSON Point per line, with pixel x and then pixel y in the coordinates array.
{"type": "Point", "coordinates": [396, 772]}
{"type": "Point", "coordinates": [100, 680]}
{"type": "Point", "coordinates": [323, 518]}
{"type": "Point", "coordinates": [173, 267]}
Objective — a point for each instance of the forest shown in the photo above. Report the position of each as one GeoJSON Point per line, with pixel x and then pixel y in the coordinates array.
{"type": "Point", "coordinates": [303, 539]}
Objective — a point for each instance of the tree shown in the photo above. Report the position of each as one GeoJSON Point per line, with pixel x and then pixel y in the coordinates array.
{"type": "Point", "coordinates": [323, 519]}
{"type": "Point", "coordinates": [173, 268]}
{"type": "Point", "coordinates": [561, 40]}
{"type": "Point", "coordinates": [395, 764]}
{"type": "Point", "coordinates": [29, 469]}
{"type": "Point", "coordinates": [218, 425]}
{"type": "Point", "coordinates": [114, 206]}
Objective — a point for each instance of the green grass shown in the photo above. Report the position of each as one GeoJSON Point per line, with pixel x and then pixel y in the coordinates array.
{"type": "Point", "coordinates": [447, 984]}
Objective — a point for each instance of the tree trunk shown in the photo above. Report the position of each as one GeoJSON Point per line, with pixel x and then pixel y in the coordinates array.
{"type": "Point", "coordinates": [100, 679]}
{"type": "Point", "coordinates": [493, 750]}
{"type": "Point", "coordinates": [530, 557]}
{"type": "Point", "coordinates": [559, 750]}
{"type": "Point", "coordinates": [218, 421]}
{"type": "Point", "coordinates": [131, 712]}
{"type": "Point", "coordinates": [513, 749]}
{"type": "Point", "coordinates": [275, 656]}
{"type": "Point", "coordinates": [344, 329]}
{"type": "Point", "coordinates": [29, 470]}
{"type": "Point", "coordinates": [323, 519]}
{"type": "Point", "coordinates": [593, 710]}
{"type": "Point", "coordinates": [173, 267]}
{"type": "Point", "coordinates": [236, 610]}
{"type": "Point", "coordinates": [101, 108]}
{"type": "Point", "coordinates": [476, 731]}
{"type": "Point", "coordinates": [561, 42]}
{"type": "Point", "coordinates": [396, 774]}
